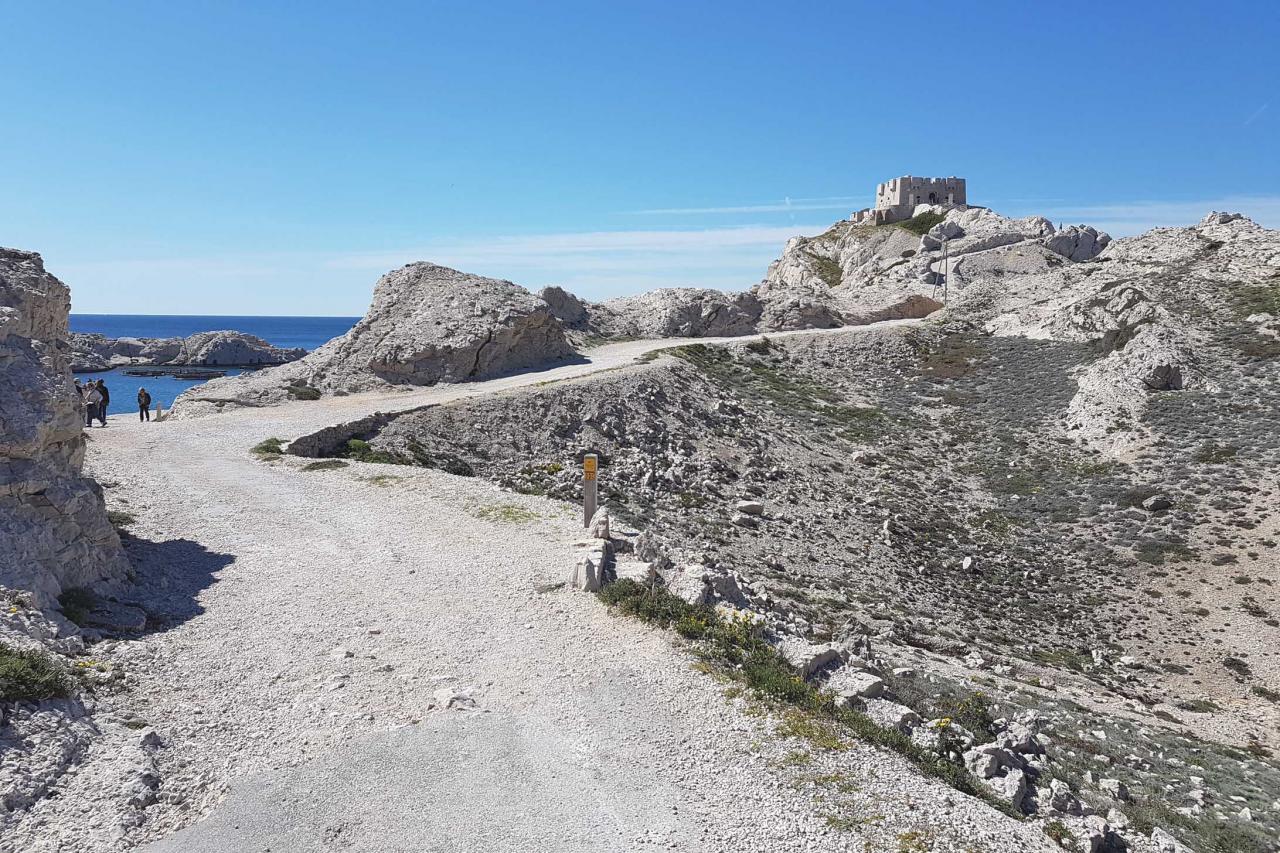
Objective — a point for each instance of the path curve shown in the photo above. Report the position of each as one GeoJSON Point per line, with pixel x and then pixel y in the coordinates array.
{"type": "Point", "coordinates": [315, 616]}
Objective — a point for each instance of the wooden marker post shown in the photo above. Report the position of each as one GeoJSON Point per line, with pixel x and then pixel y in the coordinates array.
{"type": "Point", "coordinates": [589, 464]}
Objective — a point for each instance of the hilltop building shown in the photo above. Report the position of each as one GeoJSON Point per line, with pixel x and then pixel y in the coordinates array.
{"type": "Point", "coordinates": [897, 199]}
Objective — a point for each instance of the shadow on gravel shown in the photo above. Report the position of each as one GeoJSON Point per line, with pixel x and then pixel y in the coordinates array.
{"type": "Point", "coordinates": [169, 576]}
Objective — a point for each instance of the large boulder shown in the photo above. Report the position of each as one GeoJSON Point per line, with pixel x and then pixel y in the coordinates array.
{"type": "Point", "coordinates": [427, 324]}
{"type": "Point", "coordinates": [570, 310]}
{"type": "Point", "coordinates": [54, 531]}
{"type": "Point", "coordinates": [1077, 242]}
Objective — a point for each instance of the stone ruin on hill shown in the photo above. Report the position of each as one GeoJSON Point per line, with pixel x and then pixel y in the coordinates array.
{"type": "Point", "coordinates": [897, 199]}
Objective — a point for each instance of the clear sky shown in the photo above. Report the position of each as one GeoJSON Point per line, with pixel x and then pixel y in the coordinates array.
{"type": "Point", "coordinates": [275, 158]}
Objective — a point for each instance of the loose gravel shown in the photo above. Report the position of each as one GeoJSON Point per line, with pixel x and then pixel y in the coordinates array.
{"type": "Point", "coordinates": [383, 659]}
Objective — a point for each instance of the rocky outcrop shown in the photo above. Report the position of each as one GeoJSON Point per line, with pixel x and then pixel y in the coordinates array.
{"type": "Point", "coordinates": [54, 531]}
{"type": "Point", "coordinates": [678, 312]}
{"type": "Point", "coordinates": [854, 274]}
{"type": "Point", "coordinates": [1077, 242]}
{"type": "Point", "coordinates": [427, 324]}
{"type": "Point", "coordinates": [571, 311]}
{"type": "Point", "coordinates": [90, 352]}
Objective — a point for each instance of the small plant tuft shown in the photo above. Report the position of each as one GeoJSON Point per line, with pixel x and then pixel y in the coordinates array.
{"type": "Point", "coordinates": [30, 676]}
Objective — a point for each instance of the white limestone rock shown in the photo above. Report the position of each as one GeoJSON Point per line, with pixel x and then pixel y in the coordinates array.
{"type": "Point", "coordinates": [427, 324]}
{"type": "Point", "coordinates": [1219, 218]}
{"type": "Point", "coordinates": [230, 349]}
{"type": "Point", "coordinates": [91, 352]}
{"type": "Point", "coordinates": [852, 683]}
{"type": "Point", "coordinates": [807, 658]}
{"type": "Point", "coordinates": [671, 312]}
{"type": "Point", "coordinates": [54, 531]}
{"type": "Point", "coordinates": [891, 715]}
{"type": "Point", "coordinates": [1077, 242]}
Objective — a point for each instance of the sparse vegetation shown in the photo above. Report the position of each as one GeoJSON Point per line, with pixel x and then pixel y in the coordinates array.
{"type": "Point", "coordinates": [361, 451]}
{"type": "Point", "coordinates": [302, 391]}
{"type": "Point", "coordinates": [30, 676]}
{"type": "Point", "coordinates": [77, 603]}
{"type": "Point", "coordinates": [324, 465]}
{"type": "Point", "coordinates": [506, 513]}
{"type": "Point", "coordinates": [120, 519]}
{"type": "Point", "coordinates": [827, 269]}
{"type": "Point", "coordinates": [921, 223]}
{"type": "Point", "coordinates": [268, 448]}
{"type": "Point", "coordinates": [738, 649]}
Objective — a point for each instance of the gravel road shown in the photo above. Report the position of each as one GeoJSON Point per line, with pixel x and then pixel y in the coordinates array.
{"type": "Point", "coordinates": [313, 618]}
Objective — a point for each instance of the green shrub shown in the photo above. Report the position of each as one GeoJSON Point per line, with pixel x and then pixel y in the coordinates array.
{"type": "Point", "coordinates": [1213, 453]}
{"type": "Point", "coordinates": [30, 676]}
{"type": "Point", "coordinates": [362, 451]}
{"type": "Point", "coordinates": [922, 223]}
{"type": "Point", "coordinates": [268, 447]}
{"type": "Point", "coordinates": [302, 391]}
{"type": "Point", "coordinates": [827, 269]}
{"type": "Point", "coordinates": [120, 519]}
{"type": "Point", "coordinates": [77, 603]}
{"type": "Point", "coordinates": [324, 465]}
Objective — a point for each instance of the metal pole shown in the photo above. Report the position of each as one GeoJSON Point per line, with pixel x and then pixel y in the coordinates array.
{"type": "Point", "coordinates": [946, 270]}
{"type": "Point", "coordinates": [589, 464]}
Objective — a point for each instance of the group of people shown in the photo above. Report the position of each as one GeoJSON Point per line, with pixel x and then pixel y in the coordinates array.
{"type": "Point", "coordinates": [97, 398]}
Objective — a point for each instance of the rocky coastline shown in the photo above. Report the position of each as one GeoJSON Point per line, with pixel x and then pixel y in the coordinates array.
{"type": "Point", "coordinates": [93, 353]}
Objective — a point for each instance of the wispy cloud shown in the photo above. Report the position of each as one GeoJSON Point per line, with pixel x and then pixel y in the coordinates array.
{"type": "Point", "coordinates": [786, 205]}
{"type": "Point", "coordinates": [593, 264]}
{"type": "Point", "coordinates": [1253, 116]}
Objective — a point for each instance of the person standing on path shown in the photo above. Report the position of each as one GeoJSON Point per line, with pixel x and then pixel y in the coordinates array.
{"type": "Point", "coordinates": [92, 399]}
{"type": "Point", "coordinates": [106, 401]}
{"type": "Point", "coordinates": [144, 405]}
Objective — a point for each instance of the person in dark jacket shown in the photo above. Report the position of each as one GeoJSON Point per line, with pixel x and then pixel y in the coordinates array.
{"type": "Point", "coordinates": [144, 405]}
{"type": "Point", "coordinates": [106, 400]}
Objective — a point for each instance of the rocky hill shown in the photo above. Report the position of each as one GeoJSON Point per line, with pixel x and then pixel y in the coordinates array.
{"type": "Point", "coordinates": [91, 352]}
{"type": "Point", "coordinates": [427, 324]}
{"type": "Point", "coordinates": [1044, 521]}
{"type": "Point", "coordinates": [432, 324]}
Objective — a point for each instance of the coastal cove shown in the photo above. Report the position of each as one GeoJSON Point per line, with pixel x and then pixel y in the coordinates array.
{"type": "Point", "coordinates": [305, 332]}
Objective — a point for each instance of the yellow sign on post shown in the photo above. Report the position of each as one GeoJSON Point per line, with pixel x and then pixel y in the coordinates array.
{"type": "Point", "coordinates": [589, 462]}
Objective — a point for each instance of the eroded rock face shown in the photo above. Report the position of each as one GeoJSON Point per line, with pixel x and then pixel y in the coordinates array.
{"type": "Point", "coordinates": [54, 531]}
{"type": "Point", "coordinates": [854, 274]}
{"type": "Point", "coordinates": [1077, 242]}
{"type": "Point", "coordinates": [678, 312]}
{"type": "Point", "coordinates": [427, 324]}
{"type": "Point", "coordinates": [205, 349]}
{"type": "Point", "coordinates": [567, 308]}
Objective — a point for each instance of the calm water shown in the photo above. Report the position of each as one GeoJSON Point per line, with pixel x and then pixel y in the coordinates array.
{"type": "Point", "coordinates": [305, 332]}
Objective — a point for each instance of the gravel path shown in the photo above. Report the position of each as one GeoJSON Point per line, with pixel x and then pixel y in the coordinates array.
{"type": "Point", "coordinates": [314, 619]}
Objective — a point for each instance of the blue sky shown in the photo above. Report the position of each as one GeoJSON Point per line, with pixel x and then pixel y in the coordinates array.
{"type": "Point", "coordinates": [275, 158]}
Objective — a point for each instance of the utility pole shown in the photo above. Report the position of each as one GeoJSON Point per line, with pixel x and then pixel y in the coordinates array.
{"type": "Point", "coordinates": [946, 270]}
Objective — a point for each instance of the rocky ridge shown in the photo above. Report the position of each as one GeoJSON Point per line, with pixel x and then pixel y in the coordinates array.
{"type": "Point", "coordinates": [432, 324]}
{"type": "Point", "coordinates": [92, 352]}
{"type": "Point", "coordinates": [1023, 509]}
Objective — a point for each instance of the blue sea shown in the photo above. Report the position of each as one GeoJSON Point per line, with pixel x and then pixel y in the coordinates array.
{"type": "Point", "coordinates": [305, 332]}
